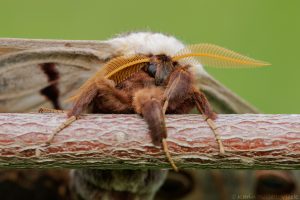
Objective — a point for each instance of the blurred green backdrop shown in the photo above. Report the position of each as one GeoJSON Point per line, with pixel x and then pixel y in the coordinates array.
{"type": "Point", "coordinates": [266, 30]}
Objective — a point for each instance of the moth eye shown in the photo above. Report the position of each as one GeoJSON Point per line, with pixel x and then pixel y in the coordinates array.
{"type": "Point", "coordinates": [175, 63]}
{"type": "Point", "coordinates": [152, 70]}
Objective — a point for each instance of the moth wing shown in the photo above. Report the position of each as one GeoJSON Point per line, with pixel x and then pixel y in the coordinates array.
{"type": "Point", "coordinates": [32, 100]}
{"type": "Point", "coordinates": [25, 73]}
{"type": "Point", "coordinates": [222, 99]}
{"type": "Point", "coordinates": [11, 45]}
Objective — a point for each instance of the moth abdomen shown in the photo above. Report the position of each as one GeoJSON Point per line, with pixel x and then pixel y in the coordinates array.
{"type": "Point", "coordinates": [92, 184]}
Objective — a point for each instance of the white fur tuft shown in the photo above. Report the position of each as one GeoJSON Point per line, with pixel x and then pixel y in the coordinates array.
{"type": "Point", "coordinates": [149, 43]}
{"type": "Point", "coordinates": [146, 43]}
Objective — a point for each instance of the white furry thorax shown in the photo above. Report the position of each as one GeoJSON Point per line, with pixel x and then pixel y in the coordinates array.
{"type": "Point", "coordinates": [146, 43]}
{"type": "Point", "coordinates": [149, 43]}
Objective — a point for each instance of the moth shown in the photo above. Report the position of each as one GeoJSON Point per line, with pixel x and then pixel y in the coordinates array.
{"type": "Point", "coordinates": [151, 74]}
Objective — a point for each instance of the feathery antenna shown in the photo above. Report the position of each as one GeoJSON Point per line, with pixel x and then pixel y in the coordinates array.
{"type": "Point", "coordinates": [216, 56]}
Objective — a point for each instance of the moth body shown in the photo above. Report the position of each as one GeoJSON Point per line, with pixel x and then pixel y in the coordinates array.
{"type": "Point", "coordinates": [147, 73]}
{"type": "Point", "coordinates": [144, 92]}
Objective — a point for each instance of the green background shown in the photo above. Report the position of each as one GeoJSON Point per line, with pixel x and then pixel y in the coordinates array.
{"type": "Point", "coordinates": [265, 30]}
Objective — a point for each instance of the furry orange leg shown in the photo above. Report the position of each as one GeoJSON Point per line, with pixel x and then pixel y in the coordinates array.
{"type": "Point", "coordinates": [214, 128]}
{"type": "Point", "coordinates": [69, 121]}
{"type": "Point", "coordinates": [169, 157]}
{"type": "Point", "coordinates": [147, 102]}
{"type": "Point", "coordinates": [204, 108]}
{"type": "Point", "coordinates": [50, 110]}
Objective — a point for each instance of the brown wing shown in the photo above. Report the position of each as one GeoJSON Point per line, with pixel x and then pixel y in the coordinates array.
{"type": "Point", "coordinates": [28, 78]}
{"type": "Point", "coordinates": [10, 45]}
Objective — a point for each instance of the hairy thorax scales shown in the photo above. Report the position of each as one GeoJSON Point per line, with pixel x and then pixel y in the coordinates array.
{"type": "Point", "coordinates": [124, 96]}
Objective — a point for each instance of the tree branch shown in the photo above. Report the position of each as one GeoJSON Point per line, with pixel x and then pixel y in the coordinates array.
{"type": "Point", "coordinates": [122, 141]}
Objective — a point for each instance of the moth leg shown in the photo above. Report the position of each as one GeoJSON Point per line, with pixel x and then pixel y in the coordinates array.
{"type": "Point", "coordinates": [179, 87]}
{"type": "Point", "coordinates": [169, 91]}
{"type": "Point", "coordinates": [69, 121]}
{"type": "Point", "coordinates": [103, 88]}
{"type": "Point", "coordinates": [204, 108]}
{"type": "Point", "coordinates": [51, 110]}
{"type": "Point", "coordinates": [66, 123]}
{"type": "Point", "coordinates": [79, 105]}
{"type": "Point", "coordinates": [110, 99]}
{"type": "Point", "coordinates": [147, 102]}
{"type": "Point", "coordinates": [181, 84]}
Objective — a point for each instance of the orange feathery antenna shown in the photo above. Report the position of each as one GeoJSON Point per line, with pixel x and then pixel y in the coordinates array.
{"type": "Point", "coordinates": [216, 56]}
{"type": "Point", "coordinates": [117, 69]}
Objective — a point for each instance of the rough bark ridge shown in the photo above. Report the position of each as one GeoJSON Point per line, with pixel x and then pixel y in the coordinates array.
{"type": "Point", "coordinates": [123, 142]}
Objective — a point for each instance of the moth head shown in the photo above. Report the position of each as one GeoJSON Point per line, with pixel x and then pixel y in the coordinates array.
{"type": "Point", "coordinates": [160, 67]}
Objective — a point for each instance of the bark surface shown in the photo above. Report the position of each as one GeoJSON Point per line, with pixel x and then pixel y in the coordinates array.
{"type": "Point", "coordinates": [123, 142]}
